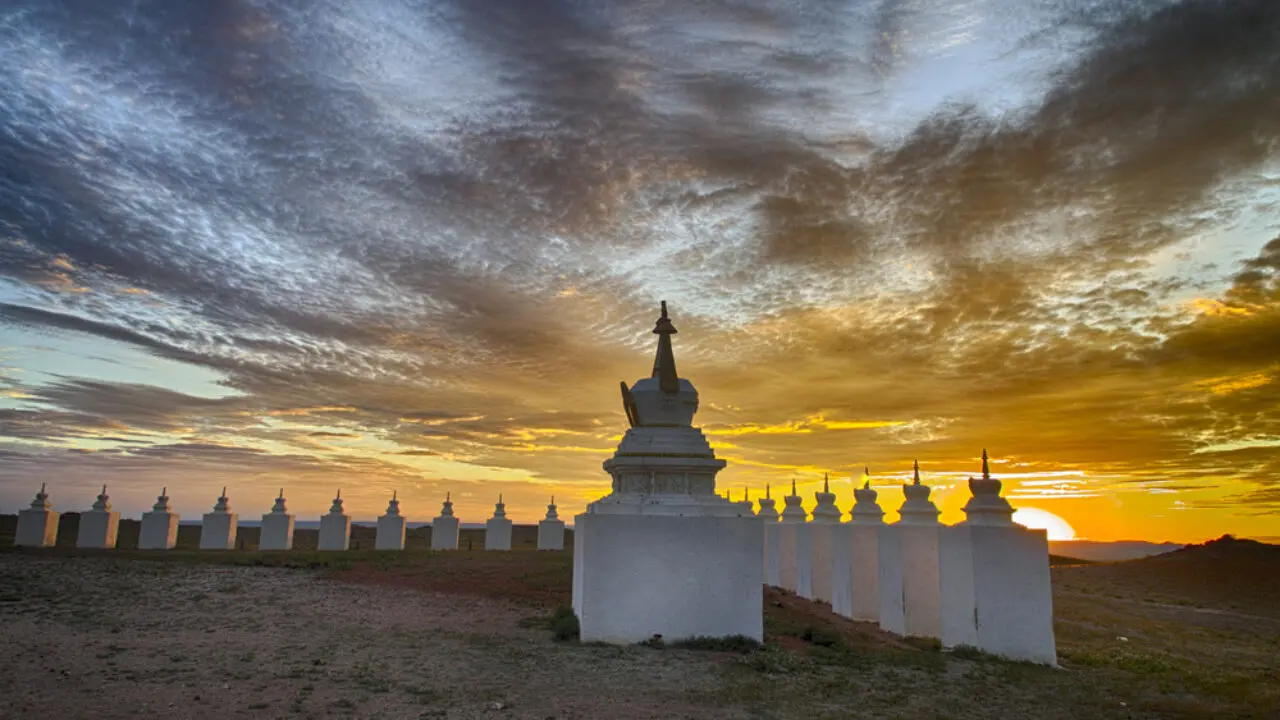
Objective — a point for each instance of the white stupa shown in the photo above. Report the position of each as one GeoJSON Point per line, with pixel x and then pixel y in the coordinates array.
{"type": "Point", "coordinates": [551, 529]}
{"type": "Point", "coordinates": [865, 526]}
{"type": "Point", "coordinates": [159, 529]}
{"type": "Point", "coordinates": [769, 516]}
{"type": "Point", "coordinates": [497, 529]}
{"type": "Point", "coordinates": [277, 527]}
{"type": "Point", "coordinates": [915, 541]}
{"type": "Point", "coordinates": [38, 524]}
{"type": "Point", "coordinates": [829, 551]}
{"type": "Point", "coordinates": [218, 529]}
{"type": "Point", "coordinates": [335, 527]}
{"type": "Point", "coordinates": [997, 594]}
{"type": "Point", "coordinates": [391, 527]}
{"type": "Point", "coordinates": [662, 554]}
{"type": "Point", "coordinates": [795, 563]}
{"type": "Point", "coordinates": [444, 529]}
{"type": "Point", "coordinates": [98, 526]}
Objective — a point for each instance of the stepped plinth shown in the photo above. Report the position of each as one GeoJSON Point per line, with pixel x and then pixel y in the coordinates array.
{"type": "Point", "coordinates": [98, 526]}
{"type": "Point", "coordinates": [551, 529]}
{"type": "Point", "coordinates": [277, 527]}
{"type": "Point", "coordinates": [391, 527]}
{"type": "Point", "coordinates": [634, 573]}
{"type": "Point", "coordinates": [37, 524]}
{"type": "Point", "coordinates": [218, 528]}
{"type": "Point", "coordinates": [159, 530]}
{"type": "Point", "coordinates": [444, 528]}
{"type": "Point", "coordinates": [335, 527]}
{"type": "Point", "coordinates": [497, 529]}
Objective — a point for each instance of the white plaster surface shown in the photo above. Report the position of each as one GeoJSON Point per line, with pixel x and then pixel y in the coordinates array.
{"type": "Point", "coordinates": [98, 529]}
{"type": "Point", "coordinates": [335, 531]}
{"type": "Point", "coordinates": [864, 572]}
{"type": "Point", "coordinates": [921, 579]}
{"type": "Point", "coordinates": [277, 532]}
{"type": "Point", "coordinates": [640, 575]}
{"type": "Point", "coordinates": [159, 530]}
{"type": "Point", "coordinates": [998, 594]}
{"type": "Point", "coordinates": [795, 562]}
{"type": "Point", "coordinates": [218, 531]}
{"type": "Point", "coordinates": [497, 534]}
{"type": "Point", "coordinates": [771, 556]}
{"type": "Point", "coordinates": [551, 535]}
{"type": "Point", "coordinates": [444, 533]}
{"type": "Point", "coordinates": [829, 548]}
{"type": "Point", "coordinates": [391, 530]}
{"type": "Point", "coordinates": [36, 528]}
{"type": "Point", "coordinates": [889, 573]}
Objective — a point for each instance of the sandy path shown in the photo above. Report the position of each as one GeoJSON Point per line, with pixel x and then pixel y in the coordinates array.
{"type": "Point", "coordinates": [104, 638]}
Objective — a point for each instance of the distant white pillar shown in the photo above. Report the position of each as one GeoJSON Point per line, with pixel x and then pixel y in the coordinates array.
{"type": "Point", "coordinates": [277, 527]}
{"type": "Point", "coordinates": [769, 515]}
{"type": "Point", "coordinates": [38, 524]}
{"type": "Point", "coordinates": [218, 528]}
{"type": "Point", "coordinates": [551, 529]}
{"type": "Point", "coordinates": [865, 528]}
{"type": "Point", "coordinates": [997, 592]}
{"type": "Point", "coordinates": [335, 527]}
{"type": "Point", "coordinates": [98, 527]}
{"type": "Point", "coordinates": [391, 527]}
{"type": "Point", "coordinates": [794, 563]}
{"type": "Point", "coordinates": [159, 529]}
{"type": "Point", "coordinates": [497, 529]}
{"type": "Point", "coordinates": [828, 552]}
{"type": "Point", "coordinates": [917, 535]}
{"type": "Point", "coordinates": [444, 528]}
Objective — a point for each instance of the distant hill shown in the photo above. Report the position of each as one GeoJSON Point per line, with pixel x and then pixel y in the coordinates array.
{"type": "Point", "coordinates": [1109, 551]}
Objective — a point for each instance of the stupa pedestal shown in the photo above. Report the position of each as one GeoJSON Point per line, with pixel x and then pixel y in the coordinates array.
{"type": "Point", "coordinates": [917, 536]}
{"type": "Point", "coordinates": [38, 524]}
{"type": "Point", "coordinates": [497, 529]}
{"type": "Point", "coordinates": [335, 527]}
{"type": "Point", "coordinates": [98, 526]}
{"type": "Point", "coordinates": [159, 530]}
{"type": "Point", "coordinates": [865, 527]}
{"type": "Point", "coordinates": [795, 558]}
{"type": "Point", "coordinates": [551, 529]}
{"type": "Point", "coordinates": [662, 554]}
{"type": "Point", "coordinates": [444, 528]}
{"type": "Point", "coordinates": [277, 527]}
{"type": "Point", "coordinates": [997, 593]}
{"type": "Point", "coordinates": [218, 528]}
{"type": "Point", "coordinates": [391, 527]}
{"type": "Point", "coordinates": [828, 550]}
{"type": "Point", "coordinates": [769, 516]}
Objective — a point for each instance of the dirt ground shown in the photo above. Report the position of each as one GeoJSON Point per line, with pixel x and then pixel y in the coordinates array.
{"type": "Point", "coordinates": [463, 635]}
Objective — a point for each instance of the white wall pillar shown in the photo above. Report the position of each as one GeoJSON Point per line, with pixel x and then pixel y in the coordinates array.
{"type": "Point", "coordinates": [865, 526]}
{"type": "Point", "coordinates": [38, 524]}
{"type": "Point", "coordinates": [828, 551]}
{"type": "Point", "coordinates": [794, 555]}
{"type": "Point", "coordinates": [277, 527]}
{"type": "Point", "coordinates": [218, 528]}
{"type": "Point", "coordinates": [391, 527]}
{"type": "Point", "coordinates": [769, 516]}
{"type": "Point", "coordinates": [335, 528]}
{"type": "Point", "coordinates": [100, 525]}
{"type": "Point", "coordinates": [159, 530]}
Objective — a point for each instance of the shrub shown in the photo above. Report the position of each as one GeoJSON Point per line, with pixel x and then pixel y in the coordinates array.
{"type": "Point", "coordinates": [564, 624]}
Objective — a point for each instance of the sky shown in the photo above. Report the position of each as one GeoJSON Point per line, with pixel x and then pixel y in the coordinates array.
{"type": "Point", "coordinates": [414, 245]}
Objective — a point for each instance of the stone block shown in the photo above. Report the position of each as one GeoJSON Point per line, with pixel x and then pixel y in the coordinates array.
{"type": "Point", "coordinates": [335, 532]}
{"type": "Point", "coordinates": [218, 531]}
{"type": "Point", "coordinates": [391, 530]}
{"type": "Point", "coordinates": [159, 530]}
{"type": "Point", "coordinates": [36, 528]}
{"type": "Point", "coordinates": [277, 532]}
{"type": "Point", "coordinates": [497, 534]}
{"type": "Point", "coordinates": [444, 533]}
{"type": "Point", "coordinates": [551, 535]}
{"type": "Point", "coordinates": [98, 529]}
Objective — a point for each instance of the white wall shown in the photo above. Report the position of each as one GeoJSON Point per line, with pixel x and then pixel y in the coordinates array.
{"type": "Point", "coordinates": [640, 575]}
{"type": "Point", "coordinates": [277, 532]}
{"type": "Point", "coordinates": [444, 533]}
{"type": "Point", "coordinates": [921, 579]}
{"type": "Point", "coordinates": [892, 610]}
{"type": "Point", "coordinates": [864, 572]}
{"type": "Point", "coordinates": [218, 531]}
{"type": "Point", "coordinates": [771, 563]}
{"type": "Point", "coordinates": [497, 534]}
{"type": "Point", "coordinates": [159, 530]}
{"type": "Point", "coordinates": [795, 562]}
{"type": "Point", "coordinates": [829, 550]}
{"type": "Point", "coordinates": [36, 528]}
{"type": "Point", "coordinates": [390, 535]}
{"type": "Point", "coordinates": [98, 529]}
{"type": "Point", "coordinates": [335, 532]}
{"type": "Point", "coordinates": [550, 534]}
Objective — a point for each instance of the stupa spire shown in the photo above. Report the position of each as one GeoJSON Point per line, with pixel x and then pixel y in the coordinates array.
{"type": "Point", "coordinates": [916, 471]}
{"type": "Point", "coordinates": [664, 362]}
{"type": "Point", "coordinates": [793, 487]}
{"type": "Point", "coordinates": [766, 490]}
{"type": "Point", "coordinates": [826, 483]}
{"type": "Point", "coordinates": [986, 469]}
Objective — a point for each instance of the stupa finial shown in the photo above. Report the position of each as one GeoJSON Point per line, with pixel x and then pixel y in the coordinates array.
{"type": "Point", "coordinates": [104, 488]}
{"type": "Point", "coordinates": [916, 471]}
{"type": "Point", "coordinates": [766, 490]}
{"type": "Point", "coordinates": [826, 483]}
{"type": "Point", "coordinates": [746, 492]}
{"type": "Point", "coordinates": [793, 487]}
{"type": "Point", "coordinates": [664, 362]}
{"type": "Point", "coordinates": [224, 491]}
{"type": "Point", "coordinates": [393, 494]}
{"type": "Point", "coordinates": [281, 495]}
{"type": "Point", "coordinates": [986, 469]}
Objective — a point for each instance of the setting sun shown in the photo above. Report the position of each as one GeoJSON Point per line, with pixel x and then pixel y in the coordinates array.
{"type": "Point", "coordinates": [1038, 519]}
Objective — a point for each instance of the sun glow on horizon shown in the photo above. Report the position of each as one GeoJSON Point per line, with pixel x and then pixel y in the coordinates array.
{"type": "Point", "coordinates": [1037, 519]}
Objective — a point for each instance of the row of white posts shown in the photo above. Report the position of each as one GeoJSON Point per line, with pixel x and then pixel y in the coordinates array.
{"type": "Point", "coordinates": [983, 583]}
{"type": "Point", "coordinates": [38, 527]}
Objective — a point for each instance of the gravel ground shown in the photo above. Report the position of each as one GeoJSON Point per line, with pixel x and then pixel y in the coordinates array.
{"type": "Point", "coordinates": [95, 638]}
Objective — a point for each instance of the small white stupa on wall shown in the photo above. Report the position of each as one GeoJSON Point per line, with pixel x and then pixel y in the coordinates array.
{"type": "Point", "coordinates": [828, 550]}
{"type": "Point", "coordinates": [663, 554]}
{"type": "Point", "coordinates": [159, 530]}
{"type": "Point", "coordinates": [444, 528]}
{"type": "Point", "coordinates": [769, 516]}
{"type": "Point", "coordinates": [997, 594]}
{"type": "Point", "coordinates": [914, 540]}
{"type": "Point", "coordinates": [497, 530]}
{"type": "Point", "coordinates": [391, 527]}
{"type": "Point", "coordinates": [38, 524]}
{"type": "Point", "coordinates": [551, 529]}
{"type": "Point", "coordinates": [218, 529]}
{"type": "Point", "coordinates": [795, 564]}
{"type": "Point", "coordinates": [865, 525]}
{"type": "Point", "coordinates": [335, 527]}
{"type": "Point", "coordinates": [277, 527]}
{"type": "Point", "coordinates": [98, 526]}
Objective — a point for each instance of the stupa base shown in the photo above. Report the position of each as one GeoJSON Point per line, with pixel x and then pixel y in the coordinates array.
{"type": "Point", "coordinates": [640, 576]}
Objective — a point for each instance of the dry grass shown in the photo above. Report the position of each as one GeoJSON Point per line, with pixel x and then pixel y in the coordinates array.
{"type": "Point", "coordinates": [418, 634]}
